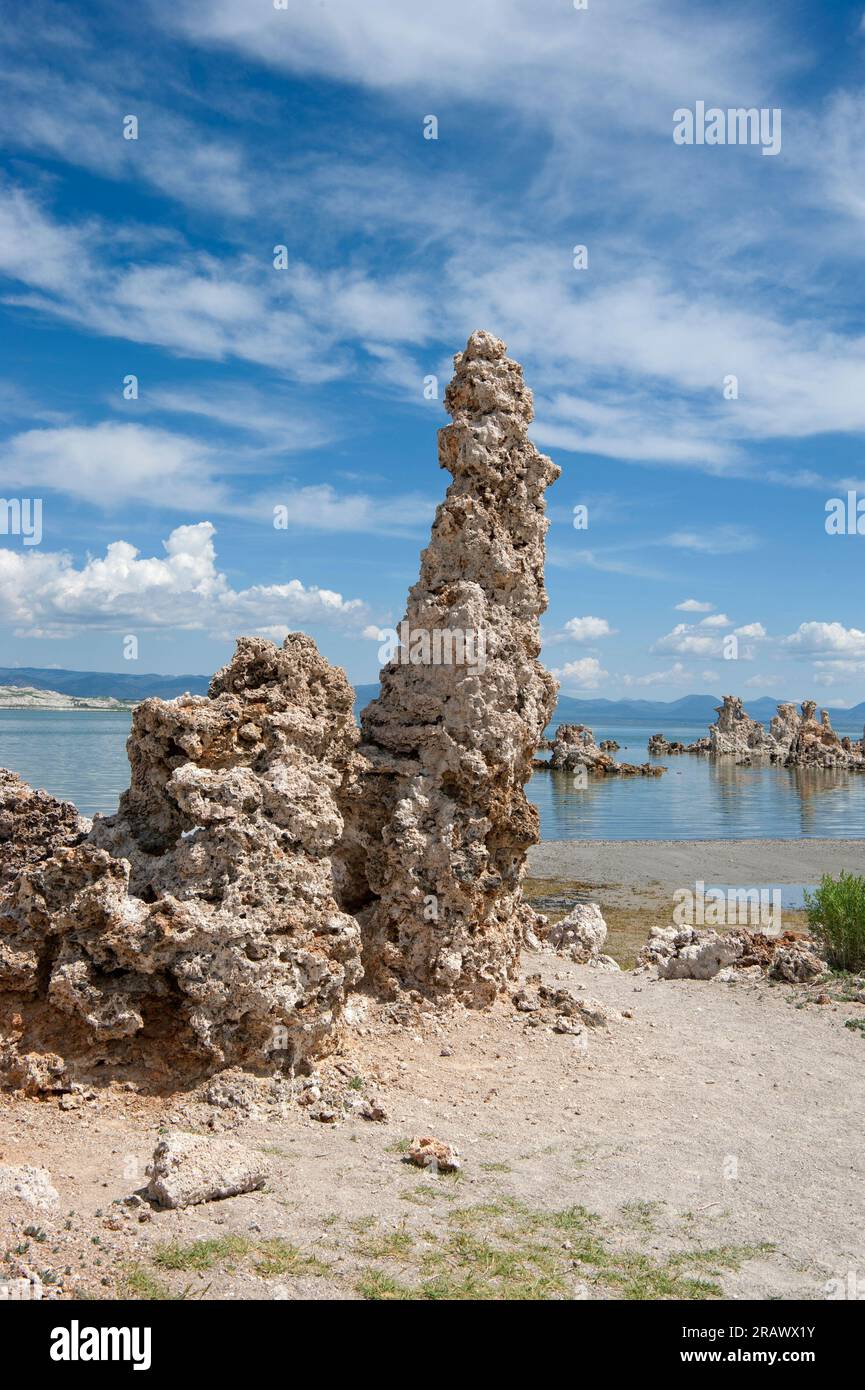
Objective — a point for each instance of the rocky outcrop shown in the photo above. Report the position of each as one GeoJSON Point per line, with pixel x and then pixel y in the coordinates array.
{"type": "Point", "coordinates": [574, 747]}
{"type": "Point", "coordinates": [814, 743]}
{"type": "Point", "coordinates": [580, 934]}
{"type": "Point", "coordinates": [661, 747]}
{"type": "Point", "coordinates": [794, 738]}
{"type": "Point", "coordinates": [201, 918]}
{"type": "Point", "coordinates": [735, 732]}
{"type": "Point", "coordinates": [437, 820]}
{"type": "Point", "coordinates": [32, 826]}
{"type": "Point", "coordinates": [692, 953]}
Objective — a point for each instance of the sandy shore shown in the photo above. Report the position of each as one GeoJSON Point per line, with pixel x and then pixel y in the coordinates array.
{"type": "Point", "coordinates": [674, 863]}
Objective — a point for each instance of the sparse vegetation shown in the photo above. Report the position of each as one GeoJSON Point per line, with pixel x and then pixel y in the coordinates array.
{"type": "Point", "coordinates": [506, 1250]}
{"type": "Point", "coordinates": [836, 916]}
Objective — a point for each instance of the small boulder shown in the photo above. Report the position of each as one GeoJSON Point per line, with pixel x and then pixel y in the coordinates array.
{"type": "Point", "coordinates": [580, 935]}
{"type": "Point", "coordinates": [28, 1184]}
{"type": "Point", "coordinates": [190, 1168]}
{"type": "Point", "coordinates": [427, 1152]}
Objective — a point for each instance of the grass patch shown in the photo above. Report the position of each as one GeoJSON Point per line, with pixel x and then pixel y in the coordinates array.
{"type": "Point", "coordinates": [279, 1256]}
{"type": "Point", "coordinates": [506, 1250]}
{"type": "Point", "coordinates": [141, 1283]}
{"type": "Point", "coordinates": [641, 1214]}
{"type": "Point", "coordinates": [856, 1025]}
{"type": "Point", "coordinates": [200, 1254]}
{"type": "Point", "coordinates": [836, 916]}
{"type": "Point", "coordinates": [390, 1245]}
{"type": "Point", "coordinates": [377, 1286]}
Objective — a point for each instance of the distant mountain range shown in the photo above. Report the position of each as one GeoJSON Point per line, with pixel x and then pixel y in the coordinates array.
{"type": "Point", "coordinates": [119, 686]}
{"type": "Point", "coordinates": [689, 709]}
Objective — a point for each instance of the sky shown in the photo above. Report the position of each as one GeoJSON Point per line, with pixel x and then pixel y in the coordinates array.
{"type": "Point", "coordinates": [172, 382]}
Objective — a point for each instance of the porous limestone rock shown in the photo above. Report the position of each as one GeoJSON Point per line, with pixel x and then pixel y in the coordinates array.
{"type": "Point", "coordinates": [692, 953]}
{"type": "Point", "coordinates": [736, 732]}
{"type": "Point", "coordinates": [814, 743]}
{"type": "Point", "coordinates": [580, 934]}
{"type": "Point", "coordinates": [429, 1152]}
{"type": "Point", "coordinates": [794, 738]}
{"type": "Point", "coordinates": [187, 1169]}
{"type": "Point", "coordinates": [574, 747]}
{"type": "Point", "coordinates": [203, 914]}
{"type": "Point", "coordinates": [437, 820]}
{"type": "Point", "coordinates": [33, 825]}
{"type": "Point", "coordinates": [25, 1183]}
{"type": "Point", "coordinates": [661, 747]}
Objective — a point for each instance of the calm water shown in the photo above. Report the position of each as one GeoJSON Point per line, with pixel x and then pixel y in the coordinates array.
{"type": "Point", "coordinates": [80, 756]}
{"type": "Point", "coordinates": [698, 799]}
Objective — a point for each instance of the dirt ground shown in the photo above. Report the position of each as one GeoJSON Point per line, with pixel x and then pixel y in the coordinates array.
{"type": "Point", "coordinates": [707, 1143]}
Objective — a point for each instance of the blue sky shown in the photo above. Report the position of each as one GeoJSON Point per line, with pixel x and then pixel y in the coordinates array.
{"type": "Point", "coordinates": [304, 387]}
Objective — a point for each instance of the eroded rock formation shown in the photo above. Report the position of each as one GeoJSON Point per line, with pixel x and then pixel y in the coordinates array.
{"type": "Point", "coordinates": [32, 826]}
{"type": "Point", "coordinates": [574, 747]}
{"type": "Point", "coordinates": [202, 915]}
{"type": "Point", "coordinates": [693, 953]}
{"type": "Point", "coordinates": [735, 732]}
{"type": "Point", "coordinates": [438, 823]}
{"type": "Point", "coordinates": [794, 738]}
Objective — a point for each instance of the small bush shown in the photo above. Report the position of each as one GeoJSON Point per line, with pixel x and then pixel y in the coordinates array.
{"type": "Point", "coordinates": [836, 916]}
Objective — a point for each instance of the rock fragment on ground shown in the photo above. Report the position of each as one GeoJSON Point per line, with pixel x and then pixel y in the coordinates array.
{"type": "Point", "coordinates": [428, 1152]}
{"type": "Point", "coordinates": [188, 1169]}
{"type": "Point", "coordinates": [693, 953]}
{"type": "Point", "coordinates": [28, 1184]}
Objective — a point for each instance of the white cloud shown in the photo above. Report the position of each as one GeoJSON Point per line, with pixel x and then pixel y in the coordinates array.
{"type": "Point", "coordinates": [43, 594]}
{"type": "Point", "coordinates": [686, 641]}
{"type": "Point", "coordinates": [298, 322]}
{"type": "Point", "coordinates": [762, 682]}
{"type": "Point", "coordinates": [587, 629]}
{"type": "Point", "coordinates": [723, 540]}
{"type": "Point", "coordinates": [716, 620]}
{"type": "Point", "coordinates": [755, 630]}
{"type": "Point", "coordinates": [112, 464]}
{"type": "Point", "coordinates": [814, 638]}
{"type": "Point", "coordinates": [585, 674]}
{"type": "Point", "coordinates": [693, 605]}
{"type": "Point", "coordinates": [676, 675]}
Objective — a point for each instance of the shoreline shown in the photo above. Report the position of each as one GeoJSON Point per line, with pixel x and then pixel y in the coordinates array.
{"type": "Point", "coordinates": [673, 863]}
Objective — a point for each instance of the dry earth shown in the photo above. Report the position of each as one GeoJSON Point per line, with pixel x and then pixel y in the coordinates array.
{"type": "Point", "coordinates": [709, 1144]}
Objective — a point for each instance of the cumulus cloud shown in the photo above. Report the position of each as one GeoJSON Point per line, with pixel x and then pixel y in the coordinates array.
{"type": "Point", "coordinates": [587, 629]}
{"type": "Point", "coordinates": [689, 640]}
{"type": "Point", "coordinates": [585, 674]}
{"type": "Point", "coordinates": [814, 637]}
{"type": "Point", "coordinates": [46, 595]}
{"type": "Point", "coordinates": [716, 620]}
{"type": "Point", "coordinates": [693, 605]}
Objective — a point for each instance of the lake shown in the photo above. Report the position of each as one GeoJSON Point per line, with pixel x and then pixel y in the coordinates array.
{"type": "Point", "coordinates": [80, 756]}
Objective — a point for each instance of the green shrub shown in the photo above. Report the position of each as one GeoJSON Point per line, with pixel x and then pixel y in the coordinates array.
{"type": "Point", "coordinates": [836, 916]}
